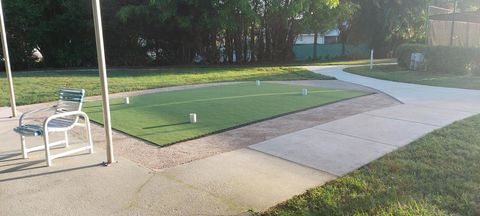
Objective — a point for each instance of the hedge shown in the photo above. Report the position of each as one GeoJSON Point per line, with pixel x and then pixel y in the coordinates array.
{"type": "Point", "coordinates": [442, 59]}
{"type": "Point", "coordinates": [404, 52]}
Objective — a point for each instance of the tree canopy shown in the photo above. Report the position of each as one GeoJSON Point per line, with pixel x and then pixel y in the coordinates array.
{"type": "Point", "coordinates": [161, 32]}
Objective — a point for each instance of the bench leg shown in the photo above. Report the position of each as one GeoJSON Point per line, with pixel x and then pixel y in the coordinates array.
{"type": "Point", "coordinates": [89, 135]}
{"type": "Point", "coordinates": [66, 139]}
{"type": "Point", "coordinates": [24, 147]}
{"type": "Point", "coordinates": [47, 148]}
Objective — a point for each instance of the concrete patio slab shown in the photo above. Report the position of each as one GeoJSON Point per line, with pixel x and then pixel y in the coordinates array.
{"type": "Point", "coordinates": [421, 114]}
{"type": "Point", "coordinates": [378, 129]}
{"type": "Point", "coordinates": [247, 179]}
{"type": "Point", "coordinates": [76, 185]}
{"type": "Point", "coordinates": [322, 150]}
{"type": "Point", "coordinates": [225, 184]}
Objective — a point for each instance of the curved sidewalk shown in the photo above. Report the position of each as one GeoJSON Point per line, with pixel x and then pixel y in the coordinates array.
{"type": "Point", "coordinates": [341, 146]}
{"type": "Point", "coordinates": [430, 96]}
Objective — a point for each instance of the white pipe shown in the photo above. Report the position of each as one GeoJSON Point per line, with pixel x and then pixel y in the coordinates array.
{"type": "Point", "coordinates": [371, 59]}
{"type": "Point", "coordinates": [193, 118]}
{"type": "Point", "coordinates": [304, 92]}
{"type": "Point", "coordinates": [8, 69]}
{"type": "Point", "coordinates": [102, 67]}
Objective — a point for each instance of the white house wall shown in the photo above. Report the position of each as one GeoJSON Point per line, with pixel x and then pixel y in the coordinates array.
{"type": "Point", "coordinates": [309, 38]}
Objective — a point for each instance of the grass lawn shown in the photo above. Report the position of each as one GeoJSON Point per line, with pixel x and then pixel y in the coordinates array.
{"type": "Point", "coordinates": [395, 73]}
{"type": "Point", "coordinates": [436, 175]}
{"type": "Point", "coordinates": [42, 86]}
{"type": "Point", "coordinates": [357, 62]}
{"type": "Point", "coordinates": [162, 118]}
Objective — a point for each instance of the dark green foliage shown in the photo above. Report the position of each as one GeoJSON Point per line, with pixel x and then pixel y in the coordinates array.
{"type": "Point", "coordinates": [443, 59]}
{"type": "Point", "coordinates": [160, 32]}
{"type": "Point", "coordinates": [404, 52]}
{"type": "Point", "coordinates": [174, 31]}
{"type": "Point", "coordinates": [453, 60]}
{"type": "Point", "coordinates": [385, 24]}
{"type": "Point", "coordinates": [61, 30]}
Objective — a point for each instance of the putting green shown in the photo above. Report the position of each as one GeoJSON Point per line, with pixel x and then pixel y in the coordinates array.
{"type": "Point", "coordinates": [163, 118]}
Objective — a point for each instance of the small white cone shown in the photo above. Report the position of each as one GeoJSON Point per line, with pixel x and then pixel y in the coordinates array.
{"type": "Point", "coordinates": [193, 118]}
{"type": "Point", "coordinates": [258, 83]}
{"type": "Point", "coordinates": [126, 100]}
{"type": "Point", "coordinates": [304, 92]}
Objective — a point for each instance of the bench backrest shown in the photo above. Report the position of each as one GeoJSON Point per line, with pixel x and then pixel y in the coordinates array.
{"type": "Point", "coordinates": [70, 100]}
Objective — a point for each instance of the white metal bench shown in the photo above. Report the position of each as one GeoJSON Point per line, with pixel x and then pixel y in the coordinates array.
{"type": "Point", "coordinates": [62, 117]}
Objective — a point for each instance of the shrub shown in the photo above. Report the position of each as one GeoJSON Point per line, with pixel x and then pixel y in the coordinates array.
{"type": "Point", "coordinates": [442, 59]}
{"type": "Point", "coordinates": [453, 60]}
{"type": "Point", "coordinates": [404, 52]}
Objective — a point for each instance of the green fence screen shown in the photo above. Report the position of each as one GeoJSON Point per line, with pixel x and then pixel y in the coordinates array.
{"type": "Point", "coordinates": [304, 52]}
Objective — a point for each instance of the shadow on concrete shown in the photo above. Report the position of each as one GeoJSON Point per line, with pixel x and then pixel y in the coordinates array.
{"type": "Point", "coordinates": [32, 163]}
{"type": "Point", "coordinates": [5, 156]}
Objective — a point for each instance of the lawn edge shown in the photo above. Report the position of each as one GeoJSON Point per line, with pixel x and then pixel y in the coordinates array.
{"type": "Point", "coordinates": [393, 80]}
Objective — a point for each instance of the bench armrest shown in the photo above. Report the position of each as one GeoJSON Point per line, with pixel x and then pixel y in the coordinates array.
{"type": "Point", "coordinates": [28, 114]}
{"type": "Point", "coordinates": [65, 114]}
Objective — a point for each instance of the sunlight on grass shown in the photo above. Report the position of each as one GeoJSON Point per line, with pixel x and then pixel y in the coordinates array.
{"type": "Point", "coordinates": [36, 87]}
{"type": "Point", "coordinates": [395, 73]}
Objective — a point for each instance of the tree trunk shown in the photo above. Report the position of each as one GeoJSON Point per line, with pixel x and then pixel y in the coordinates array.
{"type": "Point", "coordinates": [268, 42]}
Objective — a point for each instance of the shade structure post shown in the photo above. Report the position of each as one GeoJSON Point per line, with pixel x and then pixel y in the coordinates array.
{"type": "Point", "coordinates": [6, 56]}
{"type": "Point", "coordinates": [452, 33]}
{"type": "Point", "coordinates": [102, 68]}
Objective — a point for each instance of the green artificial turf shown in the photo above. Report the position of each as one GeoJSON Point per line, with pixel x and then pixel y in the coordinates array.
{"type": "Point", "coordinates": [435, 175]}
{"type": "Point", "coordinates": [396, 73]}
{"type": "Point", "coordinates": [162, 118]}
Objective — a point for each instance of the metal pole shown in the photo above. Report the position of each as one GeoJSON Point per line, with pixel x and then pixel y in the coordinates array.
{"type": "Point", "coordinates": [97, 17]}
{"type": "Point", "coordinates": [8, 69]}
{"type": "Point", "coordinates": [371, 59]}
{"type": "Point", "coordinates": [427, 26]}
{"type": "Point", "coordinates": [453, 22]}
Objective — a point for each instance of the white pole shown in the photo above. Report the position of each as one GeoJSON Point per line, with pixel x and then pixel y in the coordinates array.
{"type": "Point", "coordinates": [97, 17]}
{"type": "Point", "coordinates": [8, 69]}
{"type": "Point", "coordinates": [371, 59]}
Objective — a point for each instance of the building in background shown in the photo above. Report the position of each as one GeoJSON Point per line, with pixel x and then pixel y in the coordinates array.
{"type": "Point", "coordinates": [328, 47]}
{"type": "Point", "coordinates": [330, 37]}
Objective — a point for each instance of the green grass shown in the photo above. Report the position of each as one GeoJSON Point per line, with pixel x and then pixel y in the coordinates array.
{"type": "Point", "coordinates": [357, 62]}
{"type": "Point", "coordinates": [35, 87]}
{"type": "Point", "coordinates": [395, 73]}
{"type": "Point", "coordinates": [162, 118]}
{"type": "Point", "coordinates": [435, 175]}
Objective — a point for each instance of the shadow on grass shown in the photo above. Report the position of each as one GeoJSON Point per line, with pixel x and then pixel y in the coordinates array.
{"type": "Point", "coordinates": [168, 125]}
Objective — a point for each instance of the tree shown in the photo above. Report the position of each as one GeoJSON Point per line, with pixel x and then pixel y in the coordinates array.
{"type": "Point", "coordinates": [23, 24]}
{"type": "Point", "coordinates": [322, 16]}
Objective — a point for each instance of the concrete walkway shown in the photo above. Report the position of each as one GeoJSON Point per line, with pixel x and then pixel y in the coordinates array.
{"type": "Point", "coordinates": [225, 184]}
{"type": "Point", "coordinates": [229, 183]}
{"type": "Point", "coordinates": [341, 146]}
